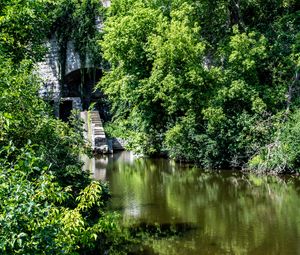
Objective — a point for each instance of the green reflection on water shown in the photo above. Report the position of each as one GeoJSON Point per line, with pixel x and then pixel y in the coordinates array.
{"type": "Point", "coordinates": [234, 213]}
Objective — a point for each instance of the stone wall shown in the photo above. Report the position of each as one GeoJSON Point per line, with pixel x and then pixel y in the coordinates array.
{"type": "Point", "coordinates": [76, 102]}
{"type": "Point", "coordinates": [49, 69]}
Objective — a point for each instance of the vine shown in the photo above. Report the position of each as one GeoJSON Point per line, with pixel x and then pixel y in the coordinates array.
{"type": "Point", "coordinates": [75, 20]}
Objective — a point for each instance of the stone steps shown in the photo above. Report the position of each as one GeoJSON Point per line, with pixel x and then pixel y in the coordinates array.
{"type": "Point", "coordinates": [99, 141]}
{"type": "Point", "coordinates": [96, 135]}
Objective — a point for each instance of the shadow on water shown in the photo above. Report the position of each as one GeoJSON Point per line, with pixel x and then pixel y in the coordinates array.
{"type": "Point", "coordinates": [161, 229]}
{"type": "Point", "coordinates": [201, 212]}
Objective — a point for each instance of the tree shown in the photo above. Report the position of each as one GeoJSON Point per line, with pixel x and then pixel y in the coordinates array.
{"type": "Point", "coordinates": [24, 26]}
{"type": "Point", "coordinates": [202, 81]}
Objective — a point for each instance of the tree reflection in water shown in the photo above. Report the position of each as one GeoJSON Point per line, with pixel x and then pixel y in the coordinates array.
{"type": "Point", "coordinates": [234, 213]}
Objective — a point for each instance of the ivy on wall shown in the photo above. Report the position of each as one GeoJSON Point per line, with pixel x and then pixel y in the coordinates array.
{"type": "Point", "coordinates": [75, 21]}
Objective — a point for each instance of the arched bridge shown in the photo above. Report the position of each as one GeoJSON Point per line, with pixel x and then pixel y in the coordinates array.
{"type": "Point", "coordinates": [75, 88]}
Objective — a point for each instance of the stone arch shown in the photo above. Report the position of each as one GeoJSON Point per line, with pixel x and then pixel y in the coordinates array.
{"type": "Point", "coordinates": [80, 83]}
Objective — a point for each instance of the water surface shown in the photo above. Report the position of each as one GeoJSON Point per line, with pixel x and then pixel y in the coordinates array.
{"type": "Point", "coordinates": [232, 213]}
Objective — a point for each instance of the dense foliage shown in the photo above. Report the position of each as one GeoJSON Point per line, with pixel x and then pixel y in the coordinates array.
{"type": "Point", "coordinates": [34, 216]}
{"type": "Point", "coordinates": [76, 21]}
{"type": "Point", "coordinates": [23, 26]}
{"type": "Point", "coordinates": [212, 82]}
{"type": "Point", "coordinates": [48, 204]}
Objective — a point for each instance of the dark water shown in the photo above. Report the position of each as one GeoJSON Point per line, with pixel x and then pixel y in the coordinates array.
{"type": "Point", "coordinates": [231, 213]}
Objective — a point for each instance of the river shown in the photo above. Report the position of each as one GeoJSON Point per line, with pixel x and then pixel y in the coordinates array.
{"type": "Point", "coordinates": [216, 212]}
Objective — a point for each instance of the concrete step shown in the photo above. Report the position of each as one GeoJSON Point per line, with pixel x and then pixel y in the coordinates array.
{"type": "Point", "coordinates": [100, 142]}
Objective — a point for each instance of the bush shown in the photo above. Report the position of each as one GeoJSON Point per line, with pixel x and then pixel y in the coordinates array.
{"type": "Point", "coordinates": [34, 217]}
{"type": "Point", "coordinates": [283, 154]}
